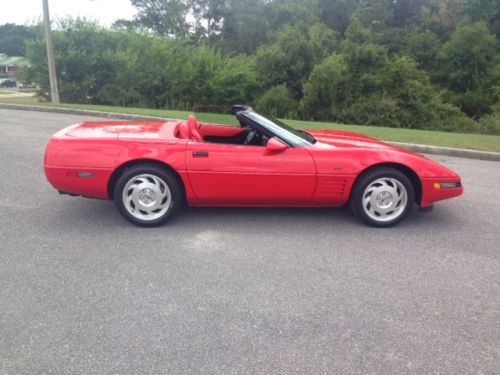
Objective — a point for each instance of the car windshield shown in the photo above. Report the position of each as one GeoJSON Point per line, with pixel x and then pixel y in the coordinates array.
{"type": "Point", "coordinates": [282, 130]}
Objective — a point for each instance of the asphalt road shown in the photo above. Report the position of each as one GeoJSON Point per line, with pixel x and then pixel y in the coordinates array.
{"type": "Point", "coordinates": [241, 291]}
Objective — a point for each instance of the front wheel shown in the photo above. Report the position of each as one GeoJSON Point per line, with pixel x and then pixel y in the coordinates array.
{"type": "Point", "coordinates": [147, 195]}
{"type": "Point", "coordinates": [382, 197]}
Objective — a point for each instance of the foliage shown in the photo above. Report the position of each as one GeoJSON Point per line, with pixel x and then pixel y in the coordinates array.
{"type": "Point", "coordinates": [245, 26]}
{"type": "Point", "coordinates": [201, 19]}
{"type": "Point", "coordinates": [291, 57]}
{"type": "Point", "coordinates": [278, 102]}
{"type": "Point", "coordinates": [427, 64]}
{"type": "Point", "coordinates": [12, 38]}
{"type": "Point", "coordinates": [491, 123]}
{"type": "Point", "coordinates": [99, 66]}
{"type": "Point", "coordinates": [164, 17]}
{"type": "Point", "coordinates": [466, 66]}
{"type": "Point", "coordinates": [236, 82]}
{"type": "Point", "coordinates": [366, 87]}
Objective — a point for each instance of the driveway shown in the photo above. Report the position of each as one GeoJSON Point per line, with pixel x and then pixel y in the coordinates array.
{"type": "Point", "coordinates": [241, 291]}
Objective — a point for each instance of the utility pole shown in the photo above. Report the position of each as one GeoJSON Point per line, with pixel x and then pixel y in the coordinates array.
{"type": "Point", "coordinates": [54, 92]}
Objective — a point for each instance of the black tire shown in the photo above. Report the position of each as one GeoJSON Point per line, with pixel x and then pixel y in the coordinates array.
{"type": "Point", "coordinates": [401, 206]}
{"type": "Point", "coordinates": [157, 177]}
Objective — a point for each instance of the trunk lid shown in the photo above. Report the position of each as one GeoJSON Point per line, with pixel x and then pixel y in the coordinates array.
{"type": "Point", "coordinates": [113, 130]}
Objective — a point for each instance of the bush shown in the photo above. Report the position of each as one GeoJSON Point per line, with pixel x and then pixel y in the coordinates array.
{"type": "Point", "coordinates": [278, 102]}
{"type": "Point", "coordinates": [326, 90]}
{"type": "Point", "coordinates": [366, 87]}
{"type": "Point", "coordinates": [236, 82]}
{"type": "Point", "coordinates": [375, 73]}
{"type": "Point", "coordinates": [490, 124]}
{"type": "Point", "coordinates": [451, 118]}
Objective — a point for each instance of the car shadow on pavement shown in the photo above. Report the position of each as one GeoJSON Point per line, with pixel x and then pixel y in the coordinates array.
{"type": "Point", "coordinates": [90, 213]}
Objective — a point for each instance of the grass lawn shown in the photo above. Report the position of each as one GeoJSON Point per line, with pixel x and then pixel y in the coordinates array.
{"type": "Point", "coordinates": [436, 138]}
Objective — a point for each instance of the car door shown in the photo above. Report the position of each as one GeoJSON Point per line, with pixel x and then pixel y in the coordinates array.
{"type": "Point", "coordinates": [224, 174]}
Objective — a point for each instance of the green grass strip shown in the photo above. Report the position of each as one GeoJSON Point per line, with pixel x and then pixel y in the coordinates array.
{"type": "Point", "coordinates": [426, 137]}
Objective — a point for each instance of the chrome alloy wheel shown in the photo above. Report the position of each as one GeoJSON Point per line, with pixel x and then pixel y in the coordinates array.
{"type": "Point", "coordinates": [146, 197]}
{"type": "Point", "coordinates": [385, 199]}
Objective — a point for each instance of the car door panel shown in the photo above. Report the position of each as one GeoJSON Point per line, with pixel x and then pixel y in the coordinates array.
{"type": "Point", "coordinates": [225, 174]}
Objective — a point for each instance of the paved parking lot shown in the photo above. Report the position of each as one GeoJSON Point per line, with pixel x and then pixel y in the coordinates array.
{"type": "Point", "coordinates": [240, 291]}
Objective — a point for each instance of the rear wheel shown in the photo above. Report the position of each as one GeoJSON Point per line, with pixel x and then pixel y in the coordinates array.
{"type": "Point", "coordinates": [147, 195]}
{"type": "Point", "coordinates": [382, 197]}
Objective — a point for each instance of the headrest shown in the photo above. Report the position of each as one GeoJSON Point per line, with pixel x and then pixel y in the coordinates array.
{"type": "Point", "coordinates": [182, 130]}
{"type": "Point", "coordinates": [193, 127]}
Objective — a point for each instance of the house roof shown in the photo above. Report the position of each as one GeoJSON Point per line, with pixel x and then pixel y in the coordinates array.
{"type": "Point", "coordinates": [12, 60]}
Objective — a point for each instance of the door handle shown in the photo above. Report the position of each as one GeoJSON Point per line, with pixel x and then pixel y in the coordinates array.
{"type": "Point", "coordinates": [200, 154]}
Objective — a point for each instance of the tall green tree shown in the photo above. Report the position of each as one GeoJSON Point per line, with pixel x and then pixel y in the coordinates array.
{"type": "Point", "coordinates": [291, 57]}
{"type": "Point", "coordinates": [164, 17]}
{"type": "Point", "coordinates": [468, 65]}
{"type": "Point", "coordinates": [441, 16]}
{"type": "Point", "coordinates": [245, 26]}
{"type": "Point", "coordinates": [209, 16]}
{"type": "Point", "coordinates": [336, 14]}
{"type": "Point", "coordinates": [367, 87]}
{"type": "Point", "coordinates": [13, 37]}
{"type": "Point", "coordinates": [423, 64]}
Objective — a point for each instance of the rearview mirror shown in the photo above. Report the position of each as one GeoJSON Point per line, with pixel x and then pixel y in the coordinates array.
{"type": "Point", "coordinates": [274, 145]}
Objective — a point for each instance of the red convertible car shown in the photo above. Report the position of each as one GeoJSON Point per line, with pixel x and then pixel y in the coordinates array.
{"type": "Point", "coordinates": [151, 168]}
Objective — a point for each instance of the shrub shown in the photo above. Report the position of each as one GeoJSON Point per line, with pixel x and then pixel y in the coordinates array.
{"type": "Point", "coordinates": [490, 124]}
{"type": "Point", "coordinates": [236, 82]}
{"type": "Point", "coordinates": [366, 87]}
{"type": "Point", "coordinates": [278, 102]}
{"type": "Point", "coordinates": [451, 118]}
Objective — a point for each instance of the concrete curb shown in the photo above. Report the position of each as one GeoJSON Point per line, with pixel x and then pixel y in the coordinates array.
{"type": "Point", "coordinates": [457, 152]}
{"type": "Point", "coordinates": [86, 112]}
{"type": "Point", "coordinates": [15, 94]}
{"type": "Point", "coordinates": [425, 149]}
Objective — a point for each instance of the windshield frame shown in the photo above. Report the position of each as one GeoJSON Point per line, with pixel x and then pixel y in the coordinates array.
{"type": "Point", "coordinates": [275, 128]}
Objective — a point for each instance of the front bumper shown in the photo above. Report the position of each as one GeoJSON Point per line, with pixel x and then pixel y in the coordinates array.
{"type": "Point", "coordinates": [438, 189]}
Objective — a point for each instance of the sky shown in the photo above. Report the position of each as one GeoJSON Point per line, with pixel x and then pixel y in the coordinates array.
{"type": "Point", "coordinates": [28, 11]}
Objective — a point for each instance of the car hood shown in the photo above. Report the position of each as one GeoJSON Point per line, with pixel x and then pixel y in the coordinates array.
{"type": "Point", "coordinates": [342, 139]}
{"type": "Point", "coordinates": [339, 138]}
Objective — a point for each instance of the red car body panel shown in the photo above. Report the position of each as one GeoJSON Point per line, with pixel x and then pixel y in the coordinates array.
{"type": "Point", "coordinates": [84, 158]}
{"type": "Point", "coordinates": [235, 174]}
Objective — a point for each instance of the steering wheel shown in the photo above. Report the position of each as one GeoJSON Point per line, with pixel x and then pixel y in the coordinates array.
{"type": "Point", "coordinates": [250, 136]}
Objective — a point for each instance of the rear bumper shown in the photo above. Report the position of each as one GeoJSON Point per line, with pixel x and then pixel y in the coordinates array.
{"type": "Point", "coordinates": [87, 182]}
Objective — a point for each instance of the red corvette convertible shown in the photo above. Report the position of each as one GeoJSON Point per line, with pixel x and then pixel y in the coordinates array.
{"type": "Point", "coordinates": [150, 168]}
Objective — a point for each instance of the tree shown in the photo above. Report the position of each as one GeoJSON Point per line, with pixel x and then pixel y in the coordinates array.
{"type": "Point", "coordinates": [278, 102]}
{"type": "Point", "coordinates": [236, 81]}
{"type": "Point", "coordinates": [198, 19]}
{"type": "Point", "coordinates": [441, 16]}
{"type": "Point", "coordinates": [78, 53]}
{"type": "Point", "coordinates": [466, 66]}
{"type": "Point", "coordinates": [336, 14]}
{"type": "Point", "coordinates": [287, 61]}
{"type": "Point", "coordinates": [327, 89]}
{"type": "Point", "coordinates": [423, 46]}
{"type": "Point", "coordinates": [245, 26]}
{"type": "Point", "coordinates": [366, 87]}
{"type": "Point", "coordinates": [208, 15]}
{"type": "Point", "coordinates": [480, 10]}
{"type": "Point", "coordinates": [291, 57]}
{"type": "Point", "coordinates": [13, 37]}
{"type": "Point", "coordinates": [293, 12]}
{"type": "Point", "coordinates": [164, 17]}
{"type": "Point", "coordinates": [407, 63]}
